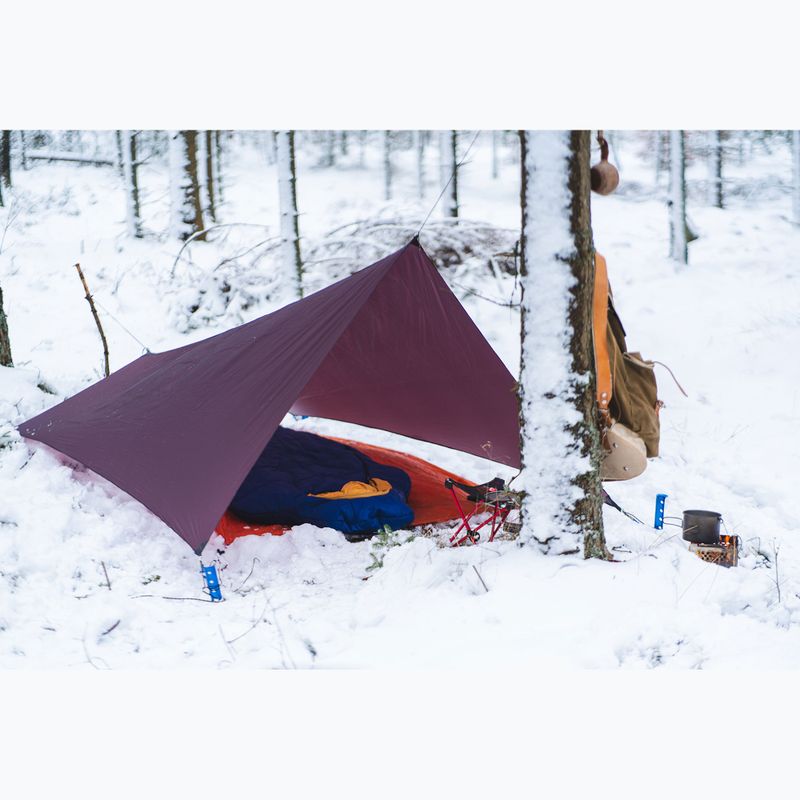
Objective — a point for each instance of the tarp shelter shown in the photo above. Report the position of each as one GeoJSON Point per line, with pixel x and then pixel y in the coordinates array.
{"type": "Point", "coordinates": [389, 347]}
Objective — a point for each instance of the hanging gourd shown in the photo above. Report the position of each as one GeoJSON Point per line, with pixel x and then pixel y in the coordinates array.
{"type": "Point", "coordinates": [605, 176]}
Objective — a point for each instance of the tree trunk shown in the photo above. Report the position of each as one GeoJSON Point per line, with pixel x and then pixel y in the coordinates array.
{"type": "Point", "coordinates": [613, 143]}
{"type": "Point", "coordinates": [419, 147]}
{"type": "Point", "coordinates": [387, 165]}
{"type": "Point", "coordinates": [330, 148]}
{"type": "Point", "coordinates": [205, 174]}
{"type": "Point", "coordinates": [362, 148]}
{"type": "Point", "coordinates": [209, 173]}
{"type": "Point", "coordinates": [715, 168]}
{"type": "Point", "coordinates": [217, 170]}
{"type": "Point", "coordinates": [343, 148]}
{"type": "Point", "coordinates": [131, 181]}
{"type": "Point", "coordinates": [448, 151]}
{"type": "Point", "coordinates": [562, 506]}
{"type": "Point", "coordinates": [5, 160]}
{"type": "Point", "coordinates": [796, 176]}
{"type": "Point", "coordinates": [186, 208]}
{"type": "Point", "coordinates": [290, 229]}
{"type": "Point", "coordinates": [495, 154]}
{"type": "Point", "coordinates": [5, 344]}
{"type": "Point", "coordinates": [678, 239]}
{"type": "Point", "coordinates": [120, 163]}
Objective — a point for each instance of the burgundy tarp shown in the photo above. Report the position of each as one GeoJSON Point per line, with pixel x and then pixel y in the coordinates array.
{"type": "Point", "coordinates": [389, 347]}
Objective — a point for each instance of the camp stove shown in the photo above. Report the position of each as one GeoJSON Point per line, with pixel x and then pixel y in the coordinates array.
{"type": "Point", "coordinates": [724, 554]}
{"type": "Point", "coordinates": [701, 531]}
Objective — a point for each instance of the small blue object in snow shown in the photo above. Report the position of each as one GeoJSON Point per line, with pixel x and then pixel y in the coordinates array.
{"type": "Point", "coordinates": [661, 502]}
{"type": "Point", "coordinates": [212, 582]}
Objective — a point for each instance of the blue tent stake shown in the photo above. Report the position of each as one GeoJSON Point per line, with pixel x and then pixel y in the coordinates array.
{"type": "Point", "coordinates": [212, 582]}
{"type": "Point", "coordinates": [661, 502]}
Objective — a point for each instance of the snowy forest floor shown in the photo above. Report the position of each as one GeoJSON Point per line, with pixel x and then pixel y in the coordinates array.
{"type": "Point", "coordinates": [728, 325]}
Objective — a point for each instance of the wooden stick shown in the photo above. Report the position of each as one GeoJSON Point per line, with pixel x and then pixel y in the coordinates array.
{"type": "Point", "coordinates": [105, 571]}
{"type": "Point", "coordinates": [96, 318]}
{"type": "Point", "coordinates": [480, 578]}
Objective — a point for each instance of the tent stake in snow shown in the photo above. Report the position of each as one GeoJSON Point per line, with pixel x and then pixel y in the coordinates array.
{"type": "Point", "coordinates": [212, 582]}
{"type": "Point", "coordinates": [661, 503]}
{"type": "Point", "coordinates": [90, 301]}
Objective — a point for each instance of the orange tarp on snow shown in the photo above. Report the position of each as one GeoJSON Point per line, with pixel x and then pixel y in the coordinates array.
{"type": "Point", "coordinates": [430, 500]}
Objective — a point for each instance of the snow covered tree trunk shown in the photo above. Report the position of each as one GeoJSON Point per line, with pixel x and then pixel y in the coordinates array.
{"type": "Point", "coordinates": [5, 344]}
{"type": "Point", "coordinates": [290, 230]}
{"type": "Point", "coordinates": [657, 155]}
{"type": "Point", "coordinates": [419, 148]}
{"type": "Point", "coordinates": [272, 155]}
{"type": "Point", "coordinates": [120, 164]}
{"type": "Point", "coordinates": [362, 148]}
{"type": "Point", "coordinates": [562, 505]}
{"type": "Point", "coordinates": [205, 173]}
{"type": "Point", "coordinates": [202, 177]}
{"type": "Point", "coordinates": [495, 154]}
{"type": "Point", "coordinates": [186, 214]}
{"type": "Point", "coordinates": [448, 160]}
{"type": "Point", "coordinates": [343, 144]}
{"type": "Point", "coordinates": [387, 165]}
{"type": "Point", "coordinates": [129, 173]}
{"type": "Point", "coordinates": [715, 168]}
{"type": "Point", "coordinates": [5, 159]}
{"type": "Point", "coordinates": [796, 176]}
{"type": "Point", "coordinates": [678, 245]}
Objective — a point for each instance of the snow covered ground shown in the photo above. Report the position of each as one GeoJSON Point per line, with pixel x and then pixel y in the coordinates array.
{"type": "Point", "coordinates": [728, 325]}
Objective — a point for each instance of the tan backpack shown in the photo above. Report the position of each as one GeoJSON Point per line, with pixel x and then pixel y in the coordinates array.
{"type": "Point", "coordinates": [627, 394]}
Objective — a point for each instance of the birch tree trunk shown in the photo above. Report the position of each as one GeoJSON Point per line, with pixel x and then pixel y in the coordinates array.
{"type": "Point", "coordinates": [419, 147]}
{"type": "Point", "coordinates": [205, 174]}
{"type": "Point", "coordinates": [678, 245]}
{"type": "Point", "coordinates": [562, 506]}
{"type": "Point", "coordinates": [387, 165]}
{"type": "Point", "coordinates": [130, 177]}
{"type": "Point", "coordinates": [186, 209]}
{"type": "Point", "coordinates": [715, 168]}
{"type": "Point", "coordinates": [796, 176]}
{"type": "Point", "coordinates": [5, 344]}
{"type": "Point", "coordinates": [448, 160]}
{"type": "Point", "coordinates": [290, 230]}
{"type": "Point", "coordinates": [495, 154]}
{"type": "Point", "coordinates": [5, 160]}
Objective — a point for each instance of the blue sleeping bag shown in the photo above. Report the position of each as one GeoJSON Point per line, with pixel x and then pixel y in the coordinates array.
{"type": "Point", "coordinates": [296, 465]}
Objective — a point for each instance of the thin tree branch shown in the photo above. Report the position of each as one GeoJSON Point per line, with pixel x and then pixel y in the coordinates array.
{"type": "Point", "coordinates": [90, 301]}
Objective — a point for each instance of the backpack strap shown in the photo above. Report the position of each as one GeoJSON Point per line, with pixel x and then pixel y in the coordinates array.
{"type": "Point", "coordinates": [602, 361]}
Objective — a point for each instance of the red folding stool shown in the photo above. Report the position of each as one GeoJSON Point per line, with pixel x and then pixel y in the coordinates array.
{"type": "Point", "coordinates": [491, 498]}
